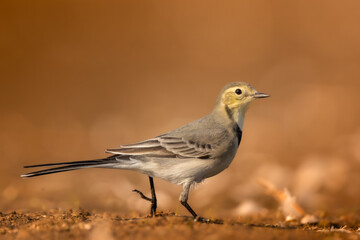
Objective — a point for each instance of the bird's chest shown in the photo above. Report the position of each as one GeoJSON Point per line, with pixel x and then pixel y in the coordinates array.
{"type": "Point", "coordinates": [228, 157]}
{"type": "Point", "coordinates": [222, 162]}
{"type": "Point", "coordinates": [233, 146]}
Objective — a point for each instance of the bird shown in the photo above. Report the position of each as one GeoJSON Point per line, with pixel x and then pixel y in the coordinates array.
{"type": "Point", "coordinates": [184, 156]}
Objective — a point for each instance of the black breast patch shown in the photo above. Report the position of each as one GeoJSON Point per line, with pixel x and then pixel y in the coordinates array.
{"type": "Point", "coordinates": [238, 133]}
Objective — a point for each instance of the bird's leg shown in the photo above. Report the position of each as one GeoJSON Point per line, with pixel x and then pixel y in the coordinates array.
{"type": "Point", "coordinates": [153, 199]}
{"type": "Point", "coordinates": [185, 204]}
{"type": "Point", "coordinates": [184, 197]}
{"type": "Point", "coordinates": [183, 200]}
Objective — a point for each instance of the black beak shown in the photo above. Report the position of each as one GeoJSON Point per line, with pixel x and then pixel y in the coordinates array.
{"type": "Point", "coordinates": [261, 95]}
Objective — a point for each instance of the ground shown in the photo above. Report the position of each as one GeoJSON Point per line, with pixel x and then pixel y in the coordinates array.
{"type": "Point", "coordinates": [83, 224]}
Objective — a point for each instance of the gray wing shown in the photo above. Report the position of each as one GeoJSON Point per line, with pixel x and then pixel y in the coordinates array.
{"type": "Point", "coordinates": [165, 146]}
{"type": "Point", "coordinates": [199, 139]}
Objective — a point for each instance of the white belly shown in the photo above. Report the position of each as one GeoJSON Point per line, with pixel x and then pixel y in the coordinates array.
{"type": "Point", "coordinates": [185, 170]}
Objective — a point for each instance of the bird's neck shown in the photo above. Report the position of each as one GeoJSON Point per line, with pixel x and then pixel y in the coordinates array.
{"type": "Point", "coordinates": [238, 117]}
{"type": "Point", "coordinates": [235, 115]}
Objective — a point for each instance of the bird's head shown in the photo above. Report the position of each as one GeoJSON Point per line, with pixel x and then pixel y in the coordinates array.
{"type": "Point", "coordinates": [235, 97]}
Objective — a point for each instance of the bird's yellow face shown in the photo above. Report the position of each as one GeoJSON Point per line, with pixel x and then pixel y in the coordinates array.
{"type": "Point", "coordinates": [239, 95]}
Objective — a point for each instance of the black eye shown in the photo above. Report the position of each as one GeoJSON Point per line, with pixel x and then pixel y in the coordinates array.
{"type": "Point", "coordinates": [238, 91]}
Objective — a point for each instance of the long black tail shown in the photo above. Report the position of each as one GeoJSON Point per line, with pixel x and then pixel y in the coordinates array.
{"type": "Point", "coordinates": [69, 166]}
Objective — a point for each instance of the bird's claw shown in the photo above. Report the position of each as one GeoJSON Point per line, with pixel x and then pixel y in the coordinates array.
{"type": "Point", "coordinates": [142, 195]}
{"type": "Point", "coordinates": [153, 202]}
{"type": "Point", "coordinates": [207, 220]}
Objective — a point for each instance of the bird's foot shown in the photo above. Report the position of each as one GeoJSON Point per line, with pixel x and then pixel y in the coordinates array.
{"type": "Point", "coordinates": [208, 220]}
{"type": "Point", "coordinates": [142, 195]}
{"type": "Point", "coordinates": [152, 200]}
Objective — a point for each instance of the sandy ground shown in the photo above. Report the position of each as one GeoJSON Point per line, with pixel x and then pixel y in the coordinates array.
{"type": "Point", "coordinates": [79, 77]}
{"type": "Point", "coordinates": [82, 224]}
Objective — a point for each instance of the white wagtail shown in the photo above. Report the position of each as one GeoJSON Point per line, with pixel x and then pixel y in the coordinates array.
{"type": "Point", "coordinates": [186, 155]}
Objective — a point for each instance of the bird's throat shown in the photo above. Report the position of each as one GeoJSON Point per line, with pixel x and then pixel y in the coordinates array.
{"type": "Point", "coordinates": [237, 115]}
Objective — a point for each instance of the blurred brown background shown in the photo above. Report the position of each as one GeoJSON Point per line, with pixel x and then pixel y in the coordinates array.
{"type": "Point", "coordinates": [78, 77]}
